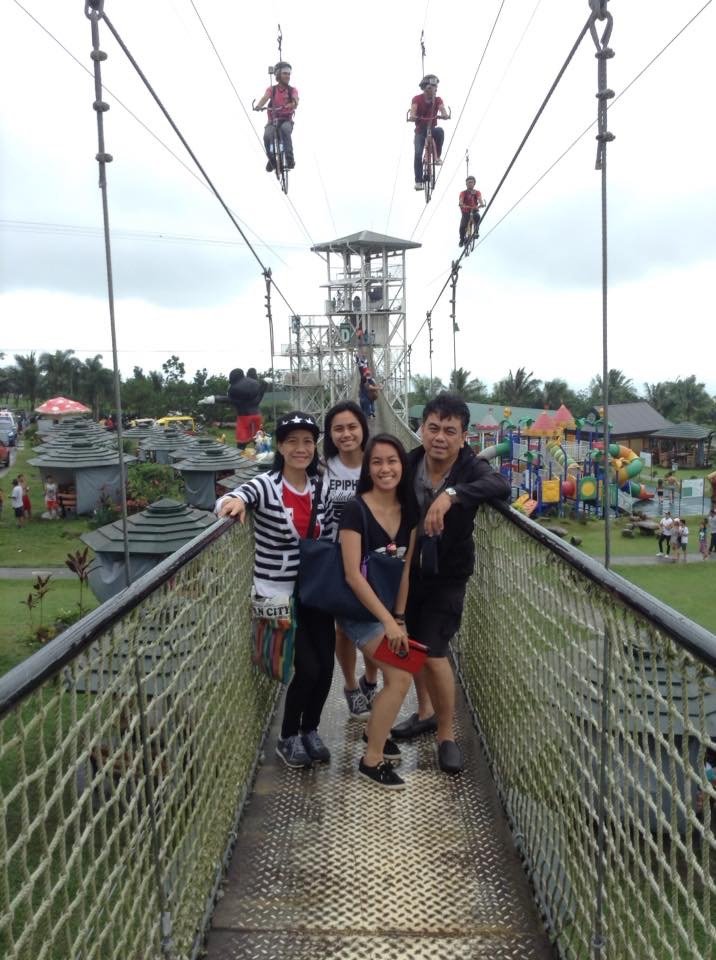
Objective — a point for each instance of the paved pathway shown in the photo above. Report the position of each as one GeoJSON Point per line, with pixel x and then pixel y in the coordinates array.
{"type": "Point", "coordinates": [29, 573]}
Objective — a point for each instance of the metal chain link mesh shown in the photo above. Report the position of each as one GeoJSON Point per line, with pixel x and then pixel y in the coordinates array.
{"type": "Point", "coordinates": [86, 833]}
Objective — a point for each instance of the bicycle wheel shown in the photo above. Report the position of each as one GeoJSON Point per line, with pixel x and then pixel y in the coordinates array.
{"type": "Point", "coordinates": [469, 237]}
{"type": "Point", "coordinates": [428, 168]}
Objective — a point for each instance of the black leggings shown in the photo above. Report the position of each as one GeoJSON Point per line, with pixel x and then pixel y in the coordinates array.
{"type": "Point", "coordinates": [315, 648]}
{"type": "Point", "coordinates": [662, 539]}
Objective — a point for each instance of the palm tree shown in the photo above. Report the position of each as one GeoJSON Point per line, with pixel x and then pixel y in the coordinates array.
{"type": "Point", "coordinates": [96, 383]}
{"type": "Point", "coordinates": [60, 369]}
{"type": "Point", "coordinates": [28, 376]}
{"type": "Point", "coordinates": [518, 390]}
{"type": "Point", "coordinates": [473, 391]}
{"type": "Point", "coordinates": [424, 389]}
{"type": "Point", "coordinates": [621, 388]}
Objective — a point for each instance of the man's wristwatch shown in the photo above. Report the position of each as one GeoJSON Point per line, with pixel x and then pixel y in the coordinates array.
{"type": "Point", "coordinates": [451, 492]}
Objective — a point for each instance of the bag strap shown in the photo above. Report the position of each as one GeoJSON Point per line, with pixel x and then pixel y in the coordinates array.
{"type": "Point", "coordinates": [314, 509]}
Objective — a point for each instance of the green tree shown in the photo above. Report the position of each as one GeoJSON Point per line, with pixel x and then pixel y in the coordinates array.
{"type": "Point", "coordinates": [681, 400]}
{"type": "Point", "coordinates": [472, 391]}
{"type": "Point", "coordinates": [60, 371]}
{"type": "Point", "coordinates": [557, 392]}
{"type": "Point", "coordinates": [518, 390]}
{"type": "Point", "coordinates": [621, 389]}
{"type": "Point", "coordinates": [423, 391]}
{"type": "Point", "coordinates": [96, 384]}
{"type": "Point", "coordinates": [28, 376]}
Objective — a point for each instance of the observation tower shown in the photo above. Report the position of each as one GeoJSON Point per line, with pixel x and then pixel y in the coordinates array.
{"type": "Point", "coordinates": [364, 314]}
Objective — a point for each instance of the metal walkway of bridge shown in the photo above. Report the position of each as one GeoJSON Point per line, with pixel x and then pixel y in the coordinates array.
{"type": "Point", "coordinates": [328, 865]}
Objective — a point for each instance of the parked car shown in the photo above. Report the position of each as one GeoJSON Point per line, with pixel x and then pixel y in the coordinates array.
{"type": "Point", "coordinates": [8, 427]}
{"type": "Point", "coordinates": [186, 423]}
{"type": "Point", "coordinates": [4, 449]}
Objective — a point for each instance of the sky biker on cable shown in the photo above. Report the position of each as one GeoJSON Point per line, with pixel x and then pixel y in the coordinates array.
{"type": "Point", "coordinates": [425, 110]}
{"type": "Point", "coordinates": [282, 100]}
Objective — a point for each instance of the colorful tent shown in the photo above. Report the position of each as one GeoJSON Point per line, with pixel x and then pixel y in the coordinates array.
{"type": "Point", "coordinates": [61, 406]}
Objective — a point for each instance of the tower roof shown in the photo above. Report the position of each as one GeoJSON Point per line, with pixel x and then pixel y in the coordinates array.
{"type": "Point", "coordinates": [365, 242]}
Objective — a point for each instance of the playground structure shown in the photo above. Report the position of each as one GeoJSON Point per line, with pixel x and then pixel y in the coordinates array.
{"type": "Point", "coordinates": [557, 459]}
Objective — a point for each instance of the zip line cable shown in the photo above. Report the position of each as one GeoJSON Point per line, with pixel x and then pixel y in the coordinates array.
{"type": "Point", "coordinates": [142, 124]}
{"type": "Point", "coordinates": [246, 114]}
{"type": "Point", "coordinates": [511, 164]}
{"type": "Point", "coordinates": [170, 121]}
{"type": "Point", "coordinates": [435, 207]}
{"type": "Point", "coordinates": [586, 130]}
{"type": "Point", "coordinates": [462, 109]}
{"type": "Point", "coordinates": [631, 83]}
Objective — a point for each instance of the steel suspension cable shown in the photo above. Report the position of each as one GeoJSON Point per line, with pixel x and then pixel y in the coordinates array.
{"type": "Point", "coordinates": [142, 124]}
{"type": "Point", "coordinates": [436, 206]}
{"type": "Point", "coordinates": [189, 150]}
{"type": "Point", "coordinates": [593, 124]}
{"type": "Point", "coordinates": [462, 109]}
{"type": "Point", "coordinates": [296, 214]}
{"type": "Point", "coordinates": [555, 83]}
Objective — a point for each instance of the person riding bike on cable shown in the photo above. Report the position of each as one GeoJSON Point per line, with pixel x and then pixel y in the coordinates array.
{"type": "Point", "coordinates": [282, 101]}
{"type": "Point", "coordinates": [470, 203]}
{"type": "Point", "coordinates": [425, 109]}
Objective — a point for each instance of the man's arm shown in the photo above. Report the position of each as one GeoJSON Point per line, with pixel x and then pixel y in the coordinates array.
{"type": "Point", "coordinates": [263, 101]}
{"type": "Point", "coordinates": [413, 114]}
{"type": "Point", "coordinates": [484, 484]}
{"type": "Point", "coordinates": [442, 112]}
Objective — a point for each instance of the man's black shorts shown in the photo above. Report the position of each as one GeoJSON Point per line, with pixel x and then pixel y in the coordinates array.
{"type": "Point", "coordinates": [433, 612]}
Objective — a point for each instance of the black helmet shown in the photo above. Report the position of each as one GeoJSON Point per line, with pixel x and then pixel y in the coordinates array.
{"type": "Point", "coordinates": [428, 79]}
{"type": "Point", "coordinates": [281, 65]}
{"type": "Point", "coordinates": [468, 179]}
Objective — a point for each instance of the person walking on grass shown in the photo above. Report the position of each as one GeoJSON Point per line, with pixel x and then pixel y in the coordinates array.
{"type": "Point", "coordinates": [282, 502]}
{"type": "Point", "coordinates": [665, 527]}
{"type": "Point", "coordinates": [676, 540]}
{"type": "Point", "coordinates": [703, 539]}
{"type": "Point", "coordinates": [345, 437]}
{"type": "Point", "coordinates": [683, 541]}
{"type": "Point", "coordinates": [16, 501]}
{"type": "Point", "coordinates": [712, 530]}
{"type": "Point", "coordinates": [26, 504]}
{"type": "Point", "coordinates": [382, 518]}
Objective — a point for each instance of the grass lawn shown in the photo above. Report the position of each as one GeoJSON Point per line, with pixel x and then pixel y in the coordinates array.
{"type": "Point", "coordinates": [592, 536]}
{"type": "Point", "coordinates": [40, 542]}
{"type": "Point", "coordinates": [15, 642]}
{"type": "Point", "coordinates": [688, 588]}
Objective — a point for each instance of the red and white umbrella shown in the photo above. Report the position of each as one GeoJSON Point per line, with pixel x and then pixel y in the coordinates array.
{"type": "Point", "coordinates": [61, 405]}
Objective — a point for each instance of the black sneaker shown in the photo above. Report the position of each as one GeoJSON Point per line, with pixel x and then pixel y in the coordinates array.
{"type": "Point", "coordinates": [292, 752]}
{"type": "Point", "coordinates": [382, 776]}
{"type": "Point", "coordinates": [270, 166]}
{"type": "Point", "coordinates": [413, 727]}
{"type": "Point", "coordinates": [391, 750]}
{"type": "Point", "coordinates": [315, 747]}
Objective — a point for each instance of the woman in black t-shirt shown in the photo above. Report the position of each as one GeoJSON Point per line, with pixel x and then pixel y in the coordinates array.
{"type": "Point", "coordinates": [383, 517]}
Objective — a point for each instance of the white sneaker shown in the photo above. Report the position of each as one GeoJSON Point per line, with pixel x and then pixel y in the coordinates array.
{"type": "Point", "coordinates": [660, 554]}
{"type": "Point", "coordinates": [418, 185]}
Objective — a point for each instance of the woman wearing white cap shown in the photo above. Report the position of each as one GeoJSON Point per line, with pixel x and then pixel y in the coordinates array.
{"type": "Point", "coordinates": [282, 501]}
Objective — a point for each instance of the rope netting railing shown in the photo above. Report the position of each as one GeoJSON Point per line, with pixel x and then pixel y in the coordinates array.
{"type": "Point", "coordinates": [597, 707]}
{"type": "Point", "coordinates": [127, 748]}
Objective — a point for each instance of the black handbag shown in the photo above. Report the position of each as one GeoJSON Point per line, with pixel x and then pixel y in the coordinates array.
{"type": "Point", "coordinates": [322, 583]}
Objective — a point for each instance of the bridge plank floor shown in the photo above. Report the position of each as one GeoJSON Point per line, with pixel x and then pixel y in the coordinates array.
{"type": "Point", "coordinates": [329, 866]}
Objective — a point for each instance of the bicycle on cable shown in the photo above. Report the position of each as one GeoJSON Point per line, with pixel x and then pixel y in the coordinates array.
{"type": "Point", "coordinates": [470, 203]}
{"type": "Point", "coordinates": [426, 109]}
{"type": "Point", "coordinates": [280, 101]}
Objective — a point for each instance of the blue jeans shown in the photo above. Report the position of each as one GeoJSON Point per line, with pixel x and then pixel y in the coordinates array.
{"type": "Point", "coordinates": [420, 135]}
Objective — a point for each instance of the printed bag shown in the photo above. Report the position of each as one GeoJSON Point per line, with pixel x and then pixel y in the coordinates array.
{"type": "Point", "coordinates": [273, 632]}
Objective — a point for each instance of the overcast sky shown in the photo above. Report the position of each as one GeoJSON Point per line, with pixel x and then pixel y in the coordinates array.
{"type": "Point", "coordinates": [185, 283]}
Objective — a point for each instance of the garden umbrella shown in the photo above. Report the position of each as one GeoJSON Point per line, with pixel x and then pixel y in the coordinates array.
{"type": "Point", "coordinates": [61, 406]}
